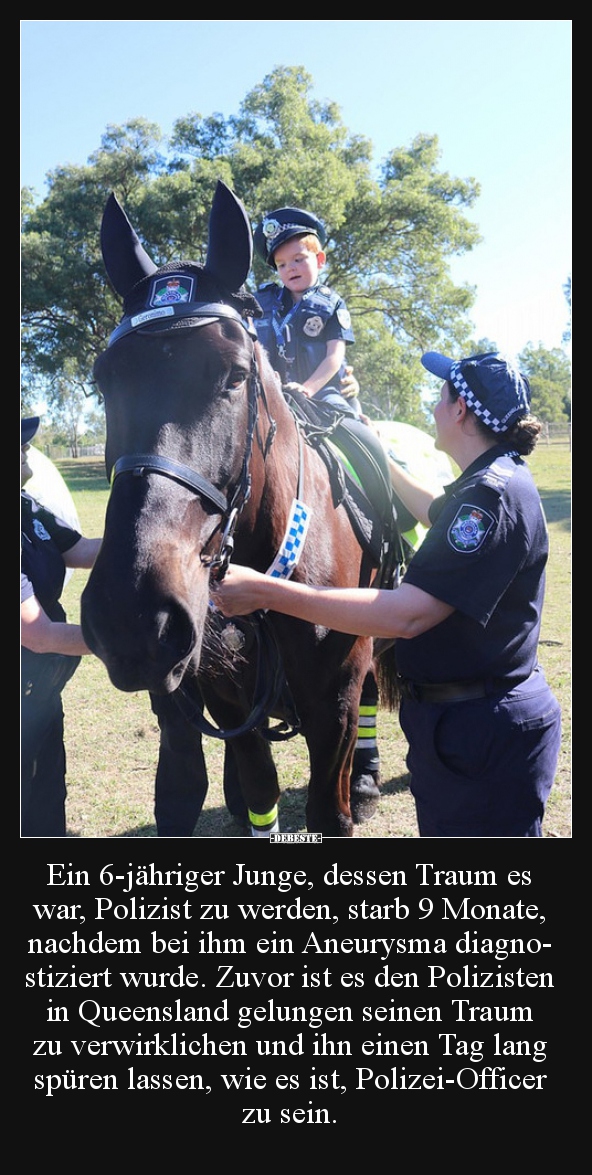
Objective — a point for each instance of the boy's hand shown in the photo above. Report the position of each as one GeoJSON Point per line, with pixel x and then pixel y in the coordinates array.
{"type": "Point", "coordinates": [295, 387]}
{"type": "Point", "coordinates": [349, 384]}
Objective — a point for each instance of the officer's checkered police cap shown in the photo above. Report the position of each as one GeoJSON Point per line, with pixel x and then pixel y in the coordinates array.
{"type": "Point", "coordinates": [495, 391]}
{"type": "Point", "coordinates": [279, 226]}
{"type": "Point", "coordinates": [29, 426]}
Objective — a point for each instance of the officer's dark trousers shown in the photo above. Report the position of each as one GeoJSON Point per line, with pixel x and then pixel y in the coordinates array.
{"type": "Point", "coordinates": [485, 767]}
{"type": "Point", "coordinates": [43, 756]}
{"type": "Point", "coordinates": [43, 768]}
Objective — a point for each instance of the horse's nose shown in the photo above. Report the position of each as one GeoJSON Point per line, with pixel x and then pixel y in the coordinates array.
{"type": "Point", "coordinates": [172, 639]}
{"type": "Point", "coordinates": [150, 651]}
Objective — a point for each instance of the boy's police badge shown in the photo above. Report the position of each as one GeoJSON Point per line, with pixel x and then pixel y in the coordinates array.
{"type": "Point", "coordinates": [313, 326]}
{"type": "Point", "coordinates": [469, 529]}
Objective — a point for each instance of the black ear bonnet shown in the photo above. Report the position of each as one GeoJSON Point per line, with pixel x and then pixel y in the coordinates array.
{"type": "Point", "coordinates": [181, 294]}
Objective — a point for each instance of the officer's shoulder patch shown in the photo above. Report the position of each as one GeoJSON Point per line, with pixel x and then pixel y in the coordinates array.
{"type": "Point", "coordinates": [469, 529]}
{"type": "Point", "coordinates": [40, 530]}
{"type": "Point", "coordinates": [344, 318]}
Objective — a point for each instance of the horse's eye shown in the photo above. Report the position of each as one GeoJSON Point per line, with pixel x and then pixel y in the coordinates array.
{"type": "Point", "coordinates": [235, 379]}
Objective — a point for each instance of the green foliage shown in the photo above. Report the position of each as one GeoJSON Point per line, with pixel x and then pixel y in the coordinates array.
{"type": "Point", "coordinates": [549, 375]}
{"type": "Point", "coordinates": [390, 238]}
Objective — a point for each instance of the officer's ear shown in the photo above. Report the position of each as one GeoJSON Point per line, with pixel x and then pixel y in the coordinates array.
{"type": "Point", "coordinates": [321, 258]}
{"type": "Point", "coordinates": [461, 408]}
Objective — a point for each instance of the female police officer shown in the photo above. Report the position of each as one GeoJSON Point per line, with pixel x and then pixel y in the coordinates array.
{"type": "Point", "coordinates": [50, 653]}
{"type": "Point", "coordinates": [482, 724]}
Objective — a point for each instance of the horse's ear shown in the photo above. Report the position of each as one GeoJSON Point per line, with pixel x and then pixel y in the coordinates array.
{"type": "Point", "coordinates": [126, 260]}
{"type": "Point", "coordinates": [230, 240]}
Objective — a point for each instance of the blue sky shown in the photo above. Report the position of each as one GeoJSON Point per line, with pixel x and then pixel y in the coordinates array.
{"type": "Point", "coordinates": [497, 93]}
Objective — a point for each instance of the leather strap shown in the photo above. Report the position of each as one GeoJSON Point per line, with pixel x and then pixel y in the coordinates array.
{"type": "Point", "coordinates": [142, 463]}
{"type": "Point", "coordinates": [443, 692]}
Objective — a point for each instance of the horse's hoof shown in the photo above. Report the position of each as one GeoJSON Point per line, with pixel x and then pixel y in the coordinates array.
{"type": "Point", "coordinates": [364, 797]}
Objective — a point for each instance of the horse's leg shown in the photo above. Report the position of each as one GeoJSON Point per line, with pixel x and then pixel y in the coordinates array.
{"type": "Point", "coordinates": [181, 776]}
{"type": "Point", "coordinates": [249, 769]}
{"type": "Point", "coordinates": [365, 776]}
{"type": "Point", "coordinates": [330, 728]}
{"type": "Point", "coordinates": [331, 750]}
{"type": "Point", "coordinates": [258, 781]}
{"type": "Point", "coordinates": [233, 796]}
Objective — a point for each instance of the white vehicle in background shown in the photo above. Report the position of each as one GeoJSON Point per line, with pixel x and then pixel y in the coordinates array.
{"type": "Point", "coordinates": [415, 451]}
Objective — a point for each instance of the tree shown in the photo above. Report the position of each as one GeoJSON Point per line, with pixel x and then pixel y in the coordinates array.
{"type": "Point", "coordinates": [549, 376]}
{"type": "Point", "coordinates": [390, 238]}
{"type": "Point", "coordinates": [67, 398]}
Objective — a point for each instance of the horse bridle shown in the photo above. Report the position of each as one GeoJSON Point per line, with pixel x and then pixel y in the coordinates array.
{"type": "Point", "coordinates": [270, 677]}
{"type": "Point", "coordinates": [139, 464]}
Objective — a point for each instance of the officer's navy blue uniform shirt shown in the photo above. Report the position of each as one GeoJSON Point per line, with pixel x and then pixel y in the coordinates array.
{"type": "Point", "coordinates": [295, 335]}
{"type": "Point", "coordinates": [485, 555]}
{"type": "Point", "coordinates": [44, 540]}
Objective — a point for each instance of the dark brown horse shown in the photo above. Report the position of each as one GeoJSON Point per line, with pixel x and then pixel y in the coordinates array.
{"type": "Point", "coordinates": [206, 456]}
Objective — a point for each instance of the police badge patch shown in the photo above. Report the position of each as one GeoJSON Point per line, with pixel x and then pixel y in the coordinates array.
{"type": "Point", "coordinates": [470, 528]}
{"type": "Point", "coordinates": [313, 326]}
{"type": "Point", "coordinates": [174, 288]}
{"type": "Point", "coordinates": [40, 530]}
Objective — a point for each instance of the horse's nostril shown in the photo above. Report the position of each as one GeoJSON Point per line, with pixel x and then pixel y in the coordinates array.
{"type": "Point", "coordinates": [174, 632]}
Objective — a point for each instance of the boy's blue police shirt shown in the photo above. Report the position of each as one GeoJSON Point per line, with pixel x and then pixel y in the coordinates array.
{"type": "Point", "coordinates": [295, 335]}
{"type": "Point", "coordinates": [44, 540]}
{"type": "Point", "coordinates": [485, 555]}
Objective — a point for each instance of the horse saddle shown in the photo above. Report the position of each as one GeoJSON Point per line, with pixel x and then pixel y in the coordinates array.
{"type": "Point", "coordinates": [358, 471]}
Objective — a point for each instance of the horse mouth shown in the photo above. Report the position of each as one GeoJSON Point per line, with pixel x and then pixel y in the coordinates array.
{"type": "Point", "coordinates": [150, 653]}
{"type": "Point", "coordinates": [159, 668]}
{"type": "Point", "coordinates": [129, 678]}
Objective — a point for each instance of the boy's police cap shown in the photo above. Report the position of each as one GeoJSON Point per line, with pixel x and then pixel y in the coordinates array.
{"type": "Point", "coordinates": [280, 225]}
{"type": "Point", "coordinates": [491, 387]}
{"type": "Point", "coordinates": [29, 426]}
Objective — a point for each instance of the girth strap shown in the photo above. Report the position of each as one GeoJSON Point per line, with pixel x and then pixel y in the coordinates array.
{"type": "Point", "coordinates": [142, 463]}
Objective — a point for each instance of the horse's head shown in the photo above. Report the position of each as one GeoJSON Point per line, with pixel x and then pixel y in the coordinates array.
{"type": "Point", "coordinates": [179, 388]}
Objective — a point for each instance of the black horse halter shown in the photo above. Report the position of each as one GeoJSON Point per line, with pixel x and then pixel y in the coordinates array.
{"type": "Point", "coordinates": [139, 464]}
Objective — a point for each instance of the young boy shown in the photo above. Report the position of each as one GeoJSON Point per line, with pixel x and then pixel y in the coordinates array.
{"type": "Point", "coordinates": [305, 329]}
{"type": "Point", "coordinates": [306, 326]}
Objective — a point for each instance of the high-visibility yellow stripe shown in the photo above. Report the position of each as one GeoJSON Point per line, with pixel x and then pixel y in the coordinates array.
{"type": "Point", "coordinates": [367, 710]}
{"type": "Point", "coordinates": [267, 818]}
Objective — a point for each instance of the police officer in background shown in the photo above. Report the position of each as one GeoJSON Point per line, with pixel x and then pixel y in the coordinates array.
{"type": "Point", "coordinates": [483, 726]}
{"type": "Point", "coordinates": [51, 649]}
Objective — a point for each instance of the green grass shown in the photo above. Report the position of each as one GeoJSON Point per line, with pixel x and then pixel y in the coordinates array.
{"type": "Point", "coordinates": [112, 738]}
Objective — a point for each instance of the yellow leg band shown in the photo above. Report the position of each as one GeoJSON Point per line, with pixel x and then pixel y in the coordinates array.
{"type": "Point", "coordinates": [261, 821]}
